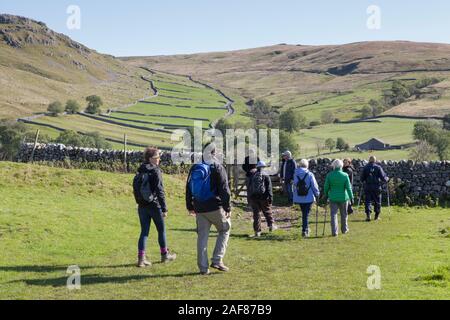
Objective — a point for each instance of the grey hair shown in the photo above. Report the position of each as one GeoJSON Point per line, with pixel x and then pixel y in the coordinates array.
{"type": "Point", "coordinates": [337, 164]}
{"type": "Point", "coordinates": [304, 163]}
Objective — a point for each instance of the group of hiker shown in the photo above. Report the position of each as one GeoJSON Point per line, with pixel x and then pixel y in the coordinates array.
{"type": "Point", "coordinates": [208, 199]}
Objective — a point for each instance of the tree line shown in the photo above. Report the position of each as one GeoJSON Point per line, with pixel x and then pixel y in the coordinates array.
{"type": "Point", "coordinates": [94, 104]}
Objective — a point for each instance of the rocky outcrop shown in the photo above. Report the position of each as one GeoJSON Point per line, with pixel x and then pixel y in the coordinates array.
{"type": "Point", "coordinates": [18, 32]}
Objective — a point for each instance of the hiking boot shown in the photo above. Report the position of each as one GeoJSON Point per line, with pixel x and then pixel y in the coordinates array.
{"type": "Point", "coordinates": [273, 228]}
{"type": "Point", "coordinates": [143, 263]}
{"type": "Point", "coordinates": [220, 267]}
{"type": "Point", "coordinates": [168, 257]}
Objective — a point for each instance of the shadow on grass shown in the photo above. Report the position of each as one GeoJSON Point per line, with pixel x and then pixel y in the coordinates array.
{"type": "Point", "coordinates": [44, 269]}
{"type": "Point", "coordinates": [94, 279]}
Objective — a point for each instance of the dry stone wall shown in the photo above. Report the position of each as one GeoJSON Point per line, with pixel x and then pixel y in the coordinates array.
{"type": "Point", "coordinates": [415, 180]}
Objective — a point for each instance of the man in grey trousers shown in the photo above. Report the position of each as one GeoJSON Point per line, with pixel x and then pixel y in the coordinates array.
{"type": "Point", "coordinates": [208, 198]}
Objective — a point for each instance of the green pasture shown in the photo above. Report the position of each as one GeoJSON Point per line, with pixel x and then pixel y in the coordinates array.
{"type": "Point", "coordinates": [51, 219]}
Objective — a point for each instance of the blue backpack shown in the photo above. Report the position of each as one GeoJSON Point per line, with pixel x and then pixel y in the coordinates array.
{"type": "Point", "coordinates": [200, 183]}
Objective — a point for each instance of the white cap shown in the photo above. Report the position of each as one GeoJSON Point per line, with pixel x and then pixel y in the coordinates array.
{"type": "Point", "coordinates": [261, 164]}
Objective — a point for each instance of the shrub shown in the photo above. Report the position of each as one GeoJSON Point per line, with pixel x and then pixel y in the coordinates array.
{"type": "Point", "coordinates": [341, 144]}
{"type": "Point", "coordinates": [72, 106]}
{"type": "Point", "coordinates": [55, 108]}
{"type": "Point", "coordinates": [288, 142]}
{"type": "Point", "coordinates": [327, 117]}
{"type": "Point", "coordinates": [94, 104]}
{"type": "Point", "coordinates": [292, 121]}
{"type": "Point", "coordinates": [11, 136]}
{"type": "Point", "coordinates": [330, 144]}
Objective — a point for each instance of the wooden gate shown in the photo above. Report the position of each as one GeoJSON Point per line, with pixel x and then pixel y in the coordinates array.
{"type": "Point", "coordinates": [237, 181]}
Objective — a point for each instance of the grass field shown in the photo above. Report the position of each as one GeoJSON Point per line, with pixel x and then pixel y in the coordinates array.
{"type": "Point", "coordinates": [52, 218]}
{"type": "Point", "coordinates": [179, 103]}
{"type": "Point", "coordinates": [392, 131]}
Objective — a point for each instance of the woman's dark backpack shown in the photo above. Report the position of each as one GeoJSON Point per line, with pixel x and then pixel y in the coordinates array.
{"type": "Point", "coordinates": [302, 189]}
{"type": "Point", "coordinates": [142, 189]}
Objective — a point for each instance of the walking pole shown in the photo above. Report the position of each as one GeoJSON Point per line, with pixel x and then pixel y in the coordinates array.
{"type": "Point", "coordinates": [317, 219]}
{"type": "Point", "coordinates": [325, 220]}
{"type": "Point", "coordinates": [359, 199]}
{"type": "Point", "coordinates": [388, 198]}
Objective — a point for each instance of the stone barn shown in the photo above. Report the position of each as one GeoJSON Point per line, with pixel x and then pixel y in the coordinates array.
{"type": "Point", "coordinates": [373, 144]}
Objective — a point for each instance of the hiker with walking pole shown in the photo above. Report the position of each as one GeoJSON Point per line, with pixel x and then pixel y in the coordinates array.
{"type": "Point", "coordinates": [339, 191]}
{"type": "Point", "coordinates": [373, 177]}
{"type": "Point", "coordinates": [306, 192]}
{"type": "Point", "coordinates": [287, 172]}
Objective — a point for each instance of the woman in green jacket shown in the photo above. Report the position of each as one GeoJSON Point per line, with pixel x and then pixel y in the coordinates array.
{"type": "Point", "coordinates": [338, 190]}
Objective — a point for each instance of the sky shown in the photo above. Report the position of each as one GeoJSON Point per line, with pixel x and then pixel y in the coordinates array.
{"type": "Point", "coordinates": [150, 27]}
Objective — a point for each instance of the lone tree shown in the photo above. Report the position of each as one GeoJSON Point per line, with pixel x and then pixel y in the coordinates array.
{"type": "Point", "coordinates": [366, 112]}
{"type": "Point", "coordinates": [72, 106]}
{"type": "Point", "coordinates": [11, 135]}
{"type": "Point", "coordinates": [55, 108]}
{"type": "Point", "coordinates": [264, 114]}
{"type": "Point", "coordinates": [288, 142]}
{"type": "Point", "coordinates": [341, 144]}
{"type": "Point", "coordinates": [94, 104]}
{"type": "Point", "coordinates": [320, 145]}
{"type": "Point", "coordinates": [327, 117]}
{"type": "Point", "coordinates": [292, 121]}
{"type": "Point", "coordinates": [376, 107]}
{"type": "Point", "coordinates": [330, 144]}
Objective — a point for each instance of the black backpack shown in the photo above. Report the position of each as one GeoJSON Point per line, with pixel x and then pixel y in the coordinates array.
{"type": "Point", "coordinates": [372, 178]}
{"type": "Point", "coordinates": [257, 186]}
{"type": "Point", "coordinates": [142, 189]}
{"type": "Point", "coordinates": [302, 189]}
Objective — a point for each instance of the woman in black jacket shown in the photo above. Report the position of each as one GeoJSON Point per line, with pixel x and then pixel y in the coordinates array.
{"type": "Point", "coordinates": [153, 208]}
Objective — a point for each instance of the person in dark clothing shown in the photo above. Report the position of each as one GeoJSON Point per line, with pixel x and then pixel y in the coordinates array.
{"type": "Point", "coordinates": [249, 165]}
{"type": "Point", "coordinates": [373, 177]}
{"type": "Point", "coordinates": [154, 209]}
{"type": "Point", "coordinates": [287, 172]}
{"type": "Point", "coordinates": [215, 210]}
{"type": "Point", "coordinates": [250, 162]}
{"type": "Point", "coordinates": [350, 170]}
{"type": "Point", "coordinates": [260, 196]}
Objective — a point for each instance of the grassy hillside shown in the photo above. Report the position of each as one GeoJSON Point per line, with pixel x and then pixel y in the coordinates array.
{"type": "Point", "coordinates": [178, 104]}
{"type": "Point", "coordinates": [342, 78]}
{"type": "Point", "coordinates": [52, 218]}
{"type": "Point", "coordinates": [39, 66]}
